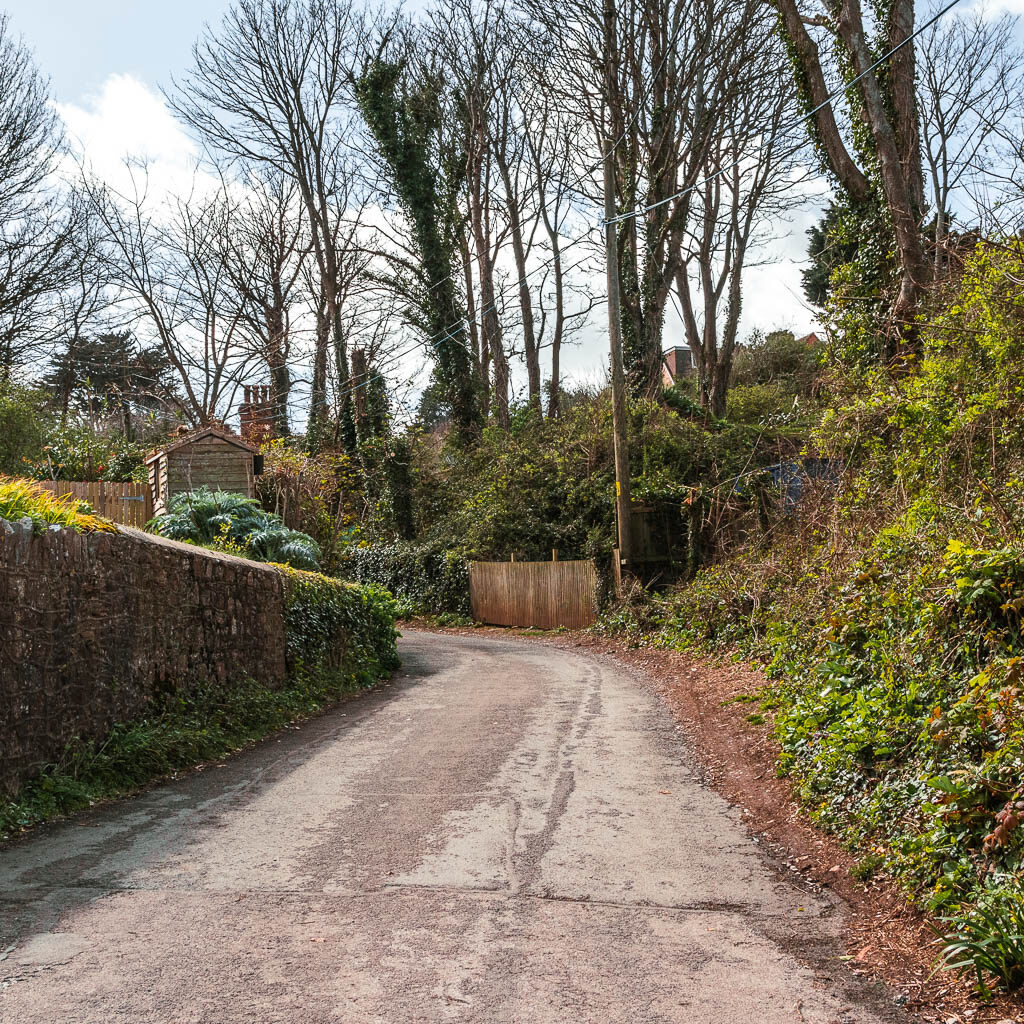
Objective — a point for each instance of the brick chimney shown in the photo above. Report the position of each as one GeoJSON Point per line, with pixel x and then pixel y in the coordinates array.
{"type": "Point", "coordinates": [256, 414]}
{"type": "Point", "coordinates": [678, 362]}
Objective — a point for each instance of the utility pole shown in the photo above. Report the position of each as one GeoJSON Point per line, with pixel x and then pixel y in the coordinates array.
{"type": "Point", "coordinates": [623, 503]}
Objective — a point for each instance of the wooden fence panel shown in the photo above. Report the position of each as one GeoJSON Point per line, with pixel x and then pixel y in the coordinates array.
{"type": "Point", "coordinates": [540, 594]}
{"type": "Point", "coordinates": [127, 503]}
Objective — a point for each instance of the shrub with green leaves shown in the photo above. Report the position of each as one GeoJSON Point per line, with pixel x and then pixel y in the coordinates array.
{"type": "Point", "coordinates": [24, 423]}
{"type": "Point", "coordinates": [889, 617]}
{"type": "Point", "coordinates": [550, 483]}
{"type": "Point", "coordinates": [778, 358]}
{"type": "Point", "coordinates": [80, 452]}
{"type": "Point", "coordinates": [332, 625]}
{"type": "Point", "coordinates": [236, 524]}
{"type": "Point", "coordinates": [425, 579]}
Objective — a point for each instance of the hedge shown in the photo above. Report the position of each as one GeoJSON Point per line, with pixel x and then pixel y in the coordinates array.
{"type": "Point", "coordinates": [425, 579]}
{"type": "Point", "coordinates": [338, 628]}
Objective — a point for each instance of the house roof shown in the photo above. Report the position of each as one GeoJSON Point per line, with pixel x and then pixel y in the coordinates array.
{"type": "Point", "coordinates": [198, 434]}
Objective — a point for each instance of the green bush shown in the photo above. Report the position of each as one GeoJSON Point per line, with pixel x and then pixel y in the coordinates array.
{"type": "Point", "coordinates": [25, 499]}
{"type": "Point", "coordinates": [889, 617]}
{"type": "Point", "coordinates": [424, 579]}
{"type": "Point", "coordinates": [777, 358]}
{"type": "Point", "coordinates": [78, 452]}
{"type": "Point", "coordinates": [758, 403]}
{"type": "Point", "coordinates": [23, 428]}
{"type": "Point", "coordinates": [334, 626]}
{"type": "Point", "coordinates": [236, 524]}
{"type": "Point", "coordinates": [547, 484]}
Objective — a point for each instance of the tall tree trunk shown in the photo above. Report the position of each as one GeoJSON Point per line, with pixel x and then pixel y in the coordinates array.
{"type": "Point", "coordinates": [359, 380]}
{"type": "Point", "coordinates": [811, 78]}
{"type": "Point", "coordinates": [492, 338]}
{"type": "Point", "coordinates": [317, 418]}
{"type": "Point", "coordinates": [901, 188]}
{"type": "Point", "coordinates": [346, 422]}
{"type": "Point", "coordinates": [280, 374]}
{"type": "Point", "coordinates": [555, 384]}
{"type": "Point", "coordinates": [480, 354]}
{"type": "Point", "coordinates": [525, 303]}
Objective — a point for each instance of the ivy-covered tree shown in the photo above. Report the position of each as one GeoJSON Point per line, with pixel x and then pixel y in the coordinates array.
{"type": "Point", "coordinates": [875, 158]}
{"type": "Point", "coordinates": [830, 245]}
{"type": "Point", "coordinates": [402, 107]}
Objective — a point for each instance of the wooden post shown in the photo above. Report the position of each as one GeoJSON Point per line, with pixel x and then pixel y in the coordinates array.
{"type": "Point", "coordinates": [619, 420]}
{"type": "Point", "coordinates": [554, 554]}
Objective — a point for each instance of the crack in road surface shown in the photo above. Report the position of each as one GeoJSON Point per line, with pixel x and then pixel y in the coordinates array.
{"type": "Point", "coordinates": [505, 833]}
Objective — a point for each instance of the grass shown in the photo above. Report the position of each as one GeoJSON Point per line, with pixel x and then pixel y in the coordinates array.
{"type": "Point", "coordinates": [988, 943]}
{"type": "Point", "coordinates": [178, 734]}
{"type": "Point", "coordinates": [21, 499]}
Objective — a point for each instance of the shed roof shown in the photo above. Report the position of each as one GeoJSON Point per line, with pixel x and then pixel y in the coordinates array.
{"type": "Point", "coordinates": [197, 435]}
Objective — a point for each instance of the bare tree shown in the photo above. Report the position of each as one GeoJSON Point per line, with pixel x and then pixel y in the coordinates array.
{"type": "Point", "coordinates": [749, 181]}
{"type": "Point", "coordinates": [41, 247]}
{"type": "Point", "coordinates": [467, 39]}
{"type": "Point", "coordinates": [971, 81]}
{"type": "Point", "coordinates": [673, 63]}
{"type": "Point", "coordinates": [265, 252]}
{"type": "Point", "coordinates": [271, 87]}
{"type": "Point", "coordinates": [550, 134]}
{"type": "Point", "coordinates": [175, 288]}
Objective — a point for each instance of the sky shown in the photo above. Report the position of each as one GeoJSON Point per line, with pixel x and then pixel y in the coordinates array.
{"type": "Point", "coordinates": [107, 61]}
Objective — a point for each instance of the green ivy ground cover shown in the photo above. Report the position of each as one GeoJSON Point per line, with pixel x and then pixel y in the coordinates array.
{"type": "Point", "coordinates": [888, 618]}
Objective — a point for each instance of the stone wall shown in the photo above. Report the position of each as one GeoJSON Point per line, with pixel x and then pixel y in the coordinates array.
{"type": "Point", "coordinates": [92, 626]}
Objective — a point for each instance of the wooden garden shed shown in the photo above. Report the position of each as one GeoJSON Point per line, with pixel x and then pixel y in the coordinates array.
{"type": "Point", "coordinates": [210, 455]}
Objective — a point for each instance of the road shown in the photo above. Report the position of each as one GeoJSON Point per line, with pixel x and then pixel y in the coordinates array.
{"type": "Point", "coordinates": [508, 832]}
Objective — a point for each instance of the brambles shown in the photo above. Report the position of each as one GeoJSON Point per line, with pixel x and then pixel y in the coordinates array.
{"type": "Point", "coordinates": [889, 617]}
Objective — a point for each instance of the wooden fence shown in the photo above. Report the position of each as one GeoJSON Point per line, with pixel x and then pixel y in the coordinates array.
{"type": "Point", "coordinates": [126, 503]}
{"type": "Point", "coordinates": [540, 594]}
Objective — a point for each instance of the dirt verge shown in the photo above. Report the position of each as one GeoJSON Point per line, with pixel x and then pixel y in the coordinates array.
{"type": "Point", "coordinates": [888, 939]}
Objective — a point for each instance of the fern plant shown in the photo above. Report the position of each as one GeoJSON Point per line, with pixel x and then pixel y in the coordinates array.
{"type": "Point", "coordinates": [235, 523]}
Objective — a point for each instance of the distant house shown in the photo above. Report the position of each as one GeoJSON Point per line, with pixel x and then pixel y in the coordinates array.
{"type": "Point", "coordinates": [810, 340]}
{"type": "Point", "coordinates": [675, 364]}
{"type": "Point", "coordinates": [210, 455]}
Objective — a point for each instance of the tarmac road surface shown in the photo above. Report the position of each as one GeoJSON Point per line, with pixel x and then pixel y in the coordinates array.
{"type": "Point", "coordinates": [508, 832]}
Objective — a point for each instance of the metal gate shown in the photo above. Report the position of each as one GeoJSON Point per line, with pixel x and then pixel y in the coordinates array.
{"type": "Point", "coordinates": [544, 595]}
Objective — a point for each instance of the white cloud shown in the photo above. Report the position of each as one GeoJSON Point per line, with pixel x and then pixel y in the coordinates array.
{"type": "Point", "coordinates": [993, 8]}
{"type": "Point", "coordinates": [127, 118]}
